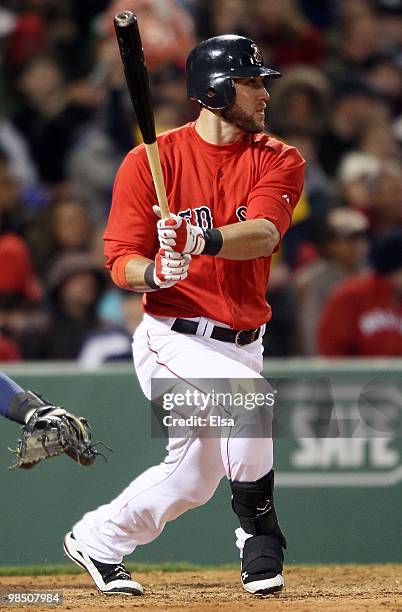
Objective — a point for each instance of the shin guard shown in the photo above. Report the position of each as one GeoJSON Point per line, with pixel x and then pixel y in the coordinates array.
{"type": "Point", "coordinates": [262, 555]}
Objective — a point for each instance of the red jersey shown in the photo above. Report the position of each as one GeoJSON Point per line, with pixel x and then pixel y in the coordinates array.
{"type": "Point", "coordinates": [211, 185]}
{"type": "Point", "coordinates": [362, 318]}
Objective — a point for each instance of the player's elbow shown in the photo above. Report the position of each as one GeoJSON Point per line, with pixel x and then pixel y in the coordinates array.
{"type": "Point", "coordinates": [269, 238]}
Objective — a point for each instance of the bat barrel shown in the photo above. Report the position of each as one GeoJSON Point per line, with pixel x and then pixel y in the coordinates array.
{"type": "Point", "coordinates": [132, 55]}
{"type": "Point", "coordinates": [124, 18]}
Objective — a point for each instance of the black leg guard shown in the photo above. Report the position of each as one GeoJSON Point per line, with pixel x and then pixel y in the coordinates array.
{"type": "Point", "coordinates": [262, 559]}
{"type": "Point", "coordinates": [253, 502]}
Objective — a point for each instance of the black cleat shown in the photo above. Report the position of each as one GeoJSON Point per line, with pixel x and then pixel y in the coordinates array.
{"type": "Point", "coordinates": [109, 578]}
{"type": "Point", "coordinates": [261, 571]}
{"type": "Point", "coordinates": [259, 584]}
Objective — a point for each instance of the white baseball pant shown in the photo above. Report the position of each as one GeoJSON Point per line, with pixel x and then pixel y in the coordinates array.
{"type": "Point", "coordinates": [193, 467]}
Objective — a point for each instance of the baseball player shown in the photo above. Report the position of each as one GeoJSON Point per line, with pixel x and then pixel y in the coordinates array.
{"type": "Point", "coordinates": [204, 273]}
{"type": "Point", "coordinates": [47, 430]}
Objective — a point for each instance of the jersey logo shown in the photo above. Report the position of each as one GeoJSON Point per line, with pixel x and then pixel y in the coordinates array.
{"type": "Point", "coordinates": [204, 217]}
{"type": "Point", "coordinates": [200, 216]}
{"type": "Point", "coordinates": [286, 197]}
{"type": "Point", "coordinates": [186, 214]}
{"type": "Point", "coordinates": [241, 213]}
{"type": "Point", "coordinates": [257, 54]}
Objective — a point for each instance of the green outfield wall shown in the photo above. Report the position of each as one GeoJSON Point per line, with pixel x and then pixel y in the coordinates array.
{"type": "Point", "coordinates": [339, 498]}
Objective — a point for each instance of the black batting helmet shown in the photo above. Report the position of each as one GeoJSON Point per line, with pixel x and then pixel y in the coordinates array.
{"type": "Point", "coordinates": [213, 64]}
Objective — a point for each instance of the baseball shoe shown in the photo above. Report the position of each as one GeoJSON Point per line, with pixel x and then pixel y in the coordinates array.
{"type": "Point", "coordinates": [261, 565]}
{"type": "Point", "coordinates": [109, 578]}
{"type": "Point", "coordinates": [262, 584]}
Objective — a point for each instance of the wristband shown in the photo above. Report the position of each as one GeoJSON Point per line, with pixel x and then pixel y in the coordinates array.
{"type": "Point", "coordinates": [149, 276]}
{"type": "Point", "coordinates": [213, 241]}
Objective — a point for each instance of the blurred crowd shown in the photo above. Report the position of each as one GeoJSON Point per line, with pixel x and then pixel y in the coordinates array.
{"type": "Point", "coordinates": [66, 123]}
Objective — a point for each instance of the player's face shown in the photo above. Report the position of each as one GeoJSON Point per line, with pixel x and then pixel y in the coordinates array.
{"type": "Point", "coordinates": [248, 110]}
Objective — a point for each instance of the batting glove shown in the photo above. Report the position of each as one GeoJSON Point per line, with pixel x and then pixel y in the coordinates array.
{"type": "Point", "coordinates": [170, 267]}
{"type": "Point", "coordinates": [177, 234]}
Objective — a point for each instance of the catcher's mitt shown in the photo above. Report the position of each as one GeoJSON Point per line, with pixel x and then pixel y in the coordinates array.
{"type": "Point", "coordinates": [52, 431]}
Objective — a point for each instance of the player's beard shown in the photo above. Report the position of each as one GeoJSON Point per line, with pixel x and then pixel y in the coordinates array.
{"type": "Point", "coordinates": [235, 115]}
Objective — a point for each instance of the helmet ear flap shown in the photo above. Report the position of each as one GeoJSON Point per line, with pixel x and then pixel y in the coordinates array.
{"type": "Point", "coordinates": [219, 93]}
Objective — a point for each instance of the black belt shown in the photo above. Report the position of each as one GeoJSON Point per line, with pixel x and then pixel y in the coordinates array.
{"type": "Point", "coordinates": [239, 337]}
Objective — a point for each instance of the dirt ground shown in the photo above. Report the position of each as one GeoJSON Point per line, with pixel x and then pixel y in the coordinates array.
{"type": "Point", "coordinates": [353, 588]}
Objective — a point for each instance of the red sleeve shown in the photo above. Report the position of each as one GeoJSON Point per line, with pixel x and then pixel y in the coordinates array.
{"type": "Point", "coordinates": [131, 228]}
{"type": "Point", "coordinates": [277, 193]}
{"type": "Point", "coordinates": [336, 329]}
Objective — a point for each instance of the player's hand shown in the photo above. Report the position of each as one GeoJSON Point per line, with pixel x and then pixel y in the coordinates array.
{"type": "Point", "coordinates": [170, 267]}
{"type": "Point", "coordinates": [177, 234]}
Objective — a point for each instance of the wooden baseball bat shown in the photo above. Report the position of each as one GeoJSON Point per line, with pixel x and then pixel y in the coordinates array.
{"type": "Point", "coordinates": [136, 73]}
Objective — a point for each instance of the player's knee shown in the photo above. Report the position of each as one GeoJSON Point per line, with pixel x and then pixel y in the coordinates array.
{"type": "Point", "coordinates": [190, 492]}
{"type": "Point", "coordinates": [249, 459]}
{"type": "Point", "coordinates": [198, 491]}
{"type": "Point", "coordinates": [201, 490]}
{"type": "Point", "coordinates": [189, 498]}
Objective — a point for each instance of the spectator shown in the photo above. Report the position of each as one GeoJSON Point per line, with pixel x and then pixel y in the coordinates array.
{"type": "Point", "coordinates": [63, 228]}
{"type": "Point", "coordinates": [120, 307]}
{"type": "Point", "coordinates": [229, 16]}
{"type": "Point", "coordinates": [321, 14]}
{"type": "Point", "coordinates": [279, 338]}
{"type": "Point", "coordinates": [318, 197]}
{"type": "Point", "coordinates": [353, 10]}
{"type": "Point", "coordinates": [292, 38]}
{"type": "Point", "coordinates": [390, 17]}
{"type": "Point", "coordinates": [359, 38]}
{"type": "Point", "coordinates": [343, 247]}
{"type": "Point", "coordinates": [27, 39]}
{"type": "Point", "coordinates": [110, 304]}
{"type": "Point", "coordinates": [384, 207]}
{"type": "Point", "coordinates": [74, 287]}
{"type": "Point", "coordinates": [105, 345]}
{"type": "Point", "coordinates": [166, 29]}
{"type": "Point", "coordinates": [17, 153]}
{"type": "Point", "coordinates": [50, 113]}
{"type": "Point", "coordinates": [363, 317]}
{"type": "Point", "coordinates": [318, 188]}
{"type": "Point", "coordinates": [16, 312]}
{"type": "Point", "coordinates": [380, 141]}
{"type": "Point", "coordinates": [132, 311]}
{"type": "Point", "coordinates": [384, 72]}
{"type": "Point", "coordinates": [12, 214]}
{"type": "Point", "coordinates": [356, 172]}
{"type": "Point", "coordinates": [19, 293]}
{"type": "Point", "coordinates": [171, 105]}
{"type": "Point", "coordinates": [98, 148]}
{"type": "Point", "coordinates": [354, 107]}
{"type": "Point", "coordinates": [300, 101]}
{"type": "Point", "coordinates": [17, 273]}
{"type": "Point", "coordinates": [9, 350]}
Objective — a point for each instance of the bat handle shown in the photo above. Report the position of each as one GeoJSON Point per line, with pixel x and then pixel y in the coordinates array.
{"type": "Point", "coordinates": [156, 171]}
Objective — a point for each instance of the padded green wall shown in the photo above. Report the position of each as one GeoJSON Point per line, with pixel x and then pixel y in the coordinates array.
{"type": "Point", "coordinates": [337, 503]}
